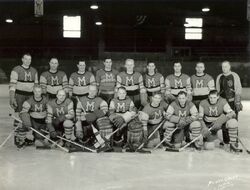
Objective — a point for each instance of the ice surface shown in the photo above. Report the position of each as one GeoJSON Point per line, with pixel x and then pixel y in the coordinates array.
{"type": "Point", "coordinates": [31, 169]}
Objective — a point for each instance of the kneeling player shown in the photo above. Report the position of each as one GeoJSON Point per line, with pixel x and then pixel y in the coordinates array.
{"type": "Point", "coordinates": [60, 114]}
{"type": "Point", "coordinates": [33, 114]}
{"type": "Point", "coordinates": [216, 114]}
{"type": "Point", "coordinates": [182, 114]}
{"type": "Point", "coordinates": [151, 116]}
{"type": "Point", "coordinates": [122, 110]}
{"type": "Point", "coordinates": [91, 110]}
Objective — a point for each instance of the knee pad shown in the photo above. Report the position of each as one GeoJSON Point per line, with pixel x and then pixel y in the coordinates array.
{"type": "Point", "coordinates": [209, 146]}
{"type": "Point", "coordinates": [195, 124]}
{"type": "Point", "coordinates": [68, 123]}
{"type": "Point", "coordinates": [168, 124]}
{"type": "Point", "coordinates": [232, 123]}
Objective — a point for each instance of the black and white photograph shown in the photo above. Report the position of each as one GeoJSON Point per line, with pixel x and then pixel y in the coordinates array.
{"type": "Point", "coordinates": [124, 94]}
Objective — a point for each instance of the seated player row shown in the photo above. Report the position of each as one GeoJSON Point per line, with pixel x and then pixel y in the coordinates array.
{"type": "Point", "coordinates": [172, 125]}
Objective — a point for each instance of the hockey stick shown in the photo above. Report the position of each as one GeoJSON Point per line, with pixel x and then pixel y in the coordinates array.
{"type": "Point", "coordinates": [72, 142]}
{"type": "Point", "coordinates": [9, 136]}
{"type": "Point", "coordinates": [244, 147]}
{"type": "Point", "coordinates": [188, 144]}
{"type": "Point", "coordinates": [163, 140]}
{"type": "Point", "coordinates": [62, 148]}
{"type": "Point", "coordinates": [156, 129]}
{"type": "Point", "coordinates": [101, 142]}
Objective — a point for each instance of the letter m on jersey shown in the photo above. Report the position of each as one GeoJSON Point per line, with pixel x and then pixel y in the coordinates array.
{"type": "Point", "coordinates": [129, 81]}
{"type": "Point", "coordinates": [38, 108]}
{"type": "Point", "coordinates": [27, 76]}
{"type": "Point", "coordinates": [199, 83]}
{"type": "Point", "coordinates": [54, 80]}
{"type": "Point", "coordinates": [213, 111]}
{"type": "Point", "coordinates": [120, 107]}
{"type": "Point", "coordinates": [81, 81]}
{"type": "Point", "coordinates": [178, 83]}
{"type": "Point", "coordinates": [60, 111]}
{"type": "Point", "coordinates": [151, 82]}
{"type": "Point", "coordinates": [182, 114]}
{"type": "Point", "coordinates": [90, 106]}
{"type": "Point", "coordinates": [109, 77]}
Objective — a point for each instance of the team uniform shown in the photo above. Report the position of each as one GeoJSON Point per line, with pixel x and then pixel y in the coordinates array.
{"type": "Point", "coordinates": [22, 81]}
{"type": "Point", "coordinates": [94, 112]}
{"type": "Point", "coordinates": [183, 117]}
{"type": "Point", "coordinates": [57, 122]}
{"type": "Point", "coordinates": [52, 82]}
{"type": "Point", "coordinates": [122, 110]}
{"type": "Point", "coordinates": [151, 118]}
{"type": "Point", "coordinates": [154, 84]}
{"type": "Point", "coordinates": [106, 82]}
{"type": "Point", "coordinates": [33, 114]}
{"type": "Point", "coordinates": [201, 86]}
{"type": "Point", "coordinates": [133, 84]}
{"type": "Point", "coordinates": [175, 84]}
{"type": "Point", "coordinates": [221, 115]}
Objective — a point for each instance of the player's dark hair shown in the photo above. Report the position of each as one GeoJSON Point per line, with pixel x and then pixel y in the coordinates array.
{"type": "Point", "coordinates": [28, 54]}
{"type": "Point", "coordinates": [154, 65]}
{"type": "Point", "coordinates": [122, 88]}
{"type": "Point", "coordinates": [213, 92]}
{"type": "Point", "coordinates": [182, 93]}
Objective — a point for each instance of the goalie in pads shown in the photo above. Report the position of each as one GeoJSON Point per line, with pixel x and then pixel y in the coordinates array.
{"type": "Point", "coordinates": [121, 110]}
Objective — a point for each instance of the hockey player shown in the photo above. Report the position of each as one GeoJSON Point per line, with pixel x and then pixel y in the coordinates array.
{"type": "Point", "coordinates": [22, 80]}
{"type": "Point", "coordinates": [216, 114]}
{"type": "Point", "coordinates": [151, 116]}
{"type": "Point", "coordinates": [60, 114]}
{"type": "Point", "coordinates": [106, 81]}
{"type": "Point", "coordinates": [89, 111]}
{"type": "Point", "coordinates": [133, 83]}
{"type": "Point", "coordinates": [177, 82]}
{"type": "Point", "coordinates": [229, 87]}
{"type": "Point", "coordinates": [80, 81]}
{"type": "Point", "coordinates": [33, 114]}
{"type": "Point", "coordinates": [53, 80]}
{"type": "Point", "coordinates": [182, 114]}
{"type": "Point", "coordinates": [201, 84]}
{"type": "Point", "coordinates": [121, 110]}
{"type": "Point", "coordinates": [153, 81]}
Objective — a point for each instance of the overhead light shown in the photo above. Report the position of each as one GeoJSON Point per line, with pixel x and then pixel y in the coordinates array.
{"type": "Point", "coordinates": [9, 20]}
{"type": "Point", "coordinates": [206, 9]}
{"type": "Point", "coordinates": [94, 6]}
{"type": "Point", "coordinates": [98, 23]}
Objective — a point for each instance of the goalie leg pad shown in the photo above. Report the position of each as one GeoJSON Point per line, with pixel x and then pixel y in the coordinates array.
{"type": "Point", "coordinates": [135, 132]}
{"type": "Point", "coordinates": [232, 126]}
{"type": "Point", "coordinates": [105, 126]}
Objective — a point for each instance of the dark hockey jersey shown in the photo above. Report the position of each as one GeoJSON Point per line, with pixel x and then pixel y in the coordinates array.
{"type": "Point", "coordinates": [106, 80]}
{"type": "Point", "coordinates": [22, 79]}
{"type": "Point", "coordinates": [79, 83]}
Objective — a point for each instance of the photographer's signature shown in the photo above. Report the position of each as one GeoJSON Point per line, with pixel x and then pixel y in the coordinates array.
{"type": "Point", "coordinates": [222, 183]}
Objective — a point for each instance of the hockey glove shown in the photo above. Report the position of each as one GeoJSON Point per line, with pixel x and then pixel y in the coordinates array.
{"type": "Point", "coordinates": [118, 121]}
{"type": "Point", "coordinates": [90, 118]}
